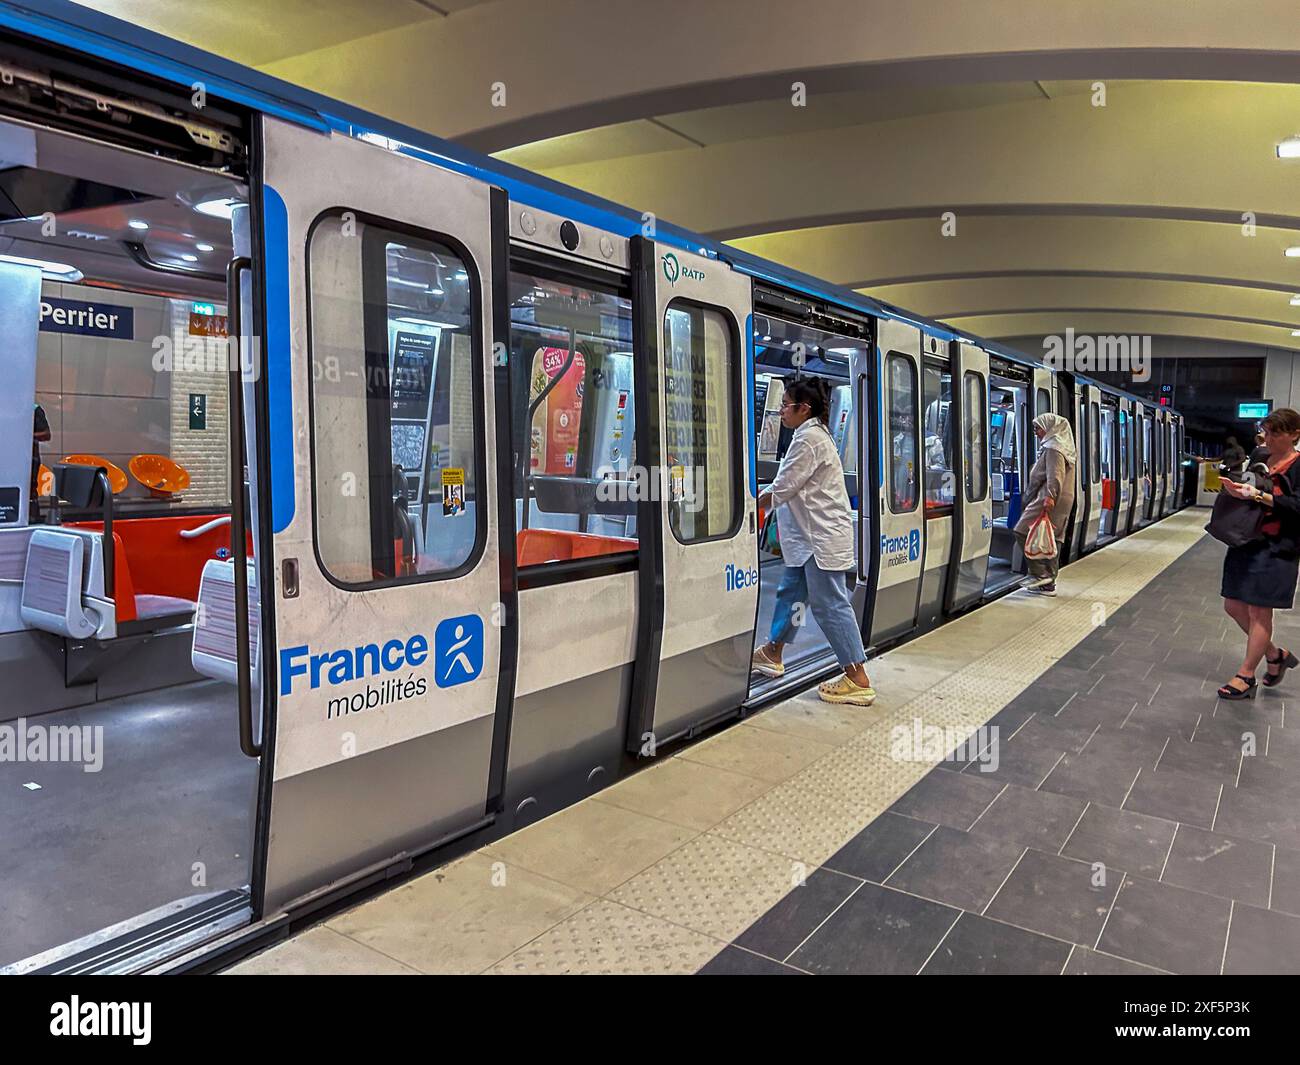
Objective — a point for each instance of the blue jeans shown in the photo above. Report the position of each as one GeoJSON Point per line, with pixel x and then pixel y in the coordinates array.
{"type": "Point", "coordinates": [828, 595]}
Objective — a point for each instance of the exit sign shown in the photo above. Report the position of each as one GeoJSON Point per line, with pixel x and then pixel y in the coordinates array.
{"type": "Point", "coordinates": [198, 410]}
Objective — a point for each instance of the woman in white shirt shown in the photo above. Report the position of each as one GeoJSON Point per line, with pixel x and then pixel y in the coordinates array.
{"type": "Point", "coordinates": [816, 530]}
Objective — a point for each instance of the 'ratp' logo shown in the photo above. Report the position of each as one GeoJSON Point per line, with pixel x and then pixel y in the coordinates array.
{"type": "Point", "coordinates": [672, 268]}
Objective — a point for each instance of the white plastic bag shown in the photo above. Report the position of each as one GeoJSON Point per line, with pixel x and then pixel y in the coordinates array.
{"type": "Point", "coordinates": [1040, 544]}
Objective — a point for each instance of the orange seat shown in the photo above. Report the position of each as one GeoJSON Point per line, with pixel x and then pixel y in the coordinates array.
{"type": "Point", "coordinates": [159, 474]}
{"type": "Point", "coordinates": [1108, 494]}
{"type": "Point", "coordinates": [116, 478]}
{"type": "Point", "coordinates": [535, 546]}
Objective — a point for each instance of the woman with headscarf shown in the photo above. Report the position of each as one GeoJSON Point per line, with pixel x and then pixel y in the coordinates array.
{"type": "Point", "coordinates": [1050, 489]}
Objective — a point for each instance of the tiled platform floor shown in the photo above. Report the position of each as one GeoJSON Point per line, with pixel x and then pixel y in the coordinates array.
{"type": "Point", "coordinates": [1122, 827]}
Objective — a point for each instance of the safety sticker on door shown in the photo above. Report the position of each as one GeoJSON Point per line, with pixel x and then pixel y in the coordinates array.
{"type": "Point", "coordinates": [458, 650]}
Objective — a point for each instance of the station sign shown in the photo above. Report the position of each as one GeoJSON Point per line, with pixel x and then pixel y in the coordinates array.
{"type": "Point", "coordinates": [1254, 409]}
{"type": "Point", "coordinates": [106, 321]}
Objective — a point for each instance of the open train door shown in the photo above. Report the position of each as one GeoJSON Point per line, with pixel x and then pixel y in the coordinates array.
{"type": "Point", "coordinates": [698, 583]}
{"type": "Point", "coordinates": [891, 546]}
{"type": "Point", "coordinates": [392, 611]}
{"type": "Point", "coordinates": [973, 499]}
{"type": "Point", "coordinates": [1092, 468]}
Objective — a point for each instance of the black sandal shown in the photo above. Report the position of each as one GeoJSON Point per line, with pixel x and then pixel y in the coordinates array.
{"type": "Point", "coordinates": [1286, 660]}
{"type": "Point", "coordinates": [1229, 692]}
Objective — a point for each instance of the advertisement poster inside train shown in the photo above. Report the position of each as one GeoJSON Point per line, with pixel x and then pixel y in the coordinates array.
{"type": "Point", "coordinates": [556, 422]}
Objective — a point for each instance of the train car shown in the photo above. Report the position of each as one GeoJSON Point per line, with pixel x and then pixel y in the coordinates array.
{"type": "Point", "coordinates": [389, 497]}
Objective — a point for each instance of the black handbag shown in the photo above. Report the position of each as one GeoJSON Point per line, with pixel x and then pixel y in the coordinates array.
{"type": "Point", "coordinates": [1236, 522]}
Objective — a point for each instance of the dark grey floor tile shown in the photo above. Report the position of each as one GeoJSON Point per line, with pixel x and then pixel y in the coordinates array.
{"type": "Point", "coordinates": [1012, 716]}
{"type": "Point", "coordinates": [1132, 749]}
{"type": "Point", "coordinates": [1163, 720]}
{"type": "Point", "coordinates": [1227, 866]}
{"type": "Point", "coordinates": [957, 868]}
{"type": "Point", "coordinates": [880, 848]}
{"type": "Point", "coordinates": [877, 931]}
{"type": "Point", "coordinates": [1058, 732]}
{"type": "Point", "coordinates": [1021, 761]}
{"type": "Point", "coordinates": [1056, 896]}
{"type": "Point", "coordinates": [1262, 941]}
{"type": "Point", "coordinates": [732, 961]}
{"type": "Point", "coordinates": [1271, 776]}
{"type": "Point", "coordinates": [1175, 796]}
{"type": "Point", "coordinates": [953, 799]}
{"type": "Point", "coordinates": [1206, 760]}
{"type": "Point", "coordinates": [1168, 927]}
{"type": "Point", "coordinates": [1230, 734]}
{"type": "Point", "coordinates": [1124, 687]}
{"type": "Point", "coordinates": [1082, 657]}
{"type": "Point", "coordinates": [1090, 711]}
{"type": "Point", "coordinates": [1087, 962]}
{"type": "Point", "coordinates": [1257, 713]}
{"type": "Point", "coordinates": [1120, 840]}
{"type": "Point", "coordinates": [978, 946]}
{"type": "Point", "coordinates": [1285, 742]}
{"type": "Point", "coordinates": [1256, 815]}
{"type": "Point", "coordinates": [1038, 819]}
{"type": "Point", "coordinates": [1094, 776]}
{"type": "Point", "coordinates": [796, 917]}
{"type": "Point", "coordinates": [1286, 881]}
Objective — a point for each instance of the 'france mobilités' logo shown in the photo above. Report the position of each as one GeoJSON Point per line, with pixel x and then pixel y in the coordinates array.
{"type": "Point", "coordinates": [899, 550]}
{"type": "Point", "coordinates": [458, 650]}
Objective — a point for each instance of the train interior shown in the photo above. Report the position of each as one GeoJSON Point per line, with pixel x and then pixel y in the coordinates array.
{"type": "Point", "coordinates": [782, 350]}
{"type": "Point", "coordinates": [1008, 427]}
{"type": "Point", "coordinates": [1111, 466]}
{"type": "Point", "coordinates": [571, 339]}
{"type": "Point", "coordinates": [114, 538]}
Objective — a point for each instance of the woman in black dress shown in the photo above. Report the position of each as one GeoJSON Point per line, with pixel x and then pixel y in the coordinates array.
{"type": "Point", "coordinates": [1260, 577]}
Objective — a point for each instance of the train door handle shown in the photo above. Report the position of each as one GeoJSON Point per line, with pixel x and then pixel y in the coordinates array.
{"type": "Point", "coordinates": [751, 521]}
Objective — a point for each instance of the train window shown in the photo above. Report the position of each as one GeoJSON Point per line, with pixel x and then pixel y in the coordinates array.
{"type": "Point", "coordinates": [699, 452]}
{"type": "Point", "coordinates": [975, 420]}
{"type": "Point", "coordinates": [938, 439]}
{"type": "Point", "coordinates": [1094, 442]}
{"type": "Point", "coordinates": [1125, 422]}
{"type": "Point", "coordinates": [573, 424]}
{"type": "Point", "coordinates": [396, 403]}
{"type": "Point", "coordinates": [900, 395]}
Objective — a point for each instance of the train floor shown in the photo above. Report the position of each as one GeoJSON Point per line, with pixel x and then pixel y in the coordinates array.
{"type": "Point", "coordinates": [167, 816]}
{"type": "Point", "coordinates": [1119, 819]}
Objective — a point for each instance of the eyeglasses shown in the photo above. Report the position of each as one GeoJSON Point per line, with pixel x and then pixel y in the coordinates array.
{"type": "Point", "coordinates": [787, 402]}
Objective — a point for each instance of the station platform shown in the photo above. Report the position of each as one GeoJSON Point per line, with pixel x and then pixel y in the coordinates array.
{"type": "Point", "coordinates": [1115, 818]}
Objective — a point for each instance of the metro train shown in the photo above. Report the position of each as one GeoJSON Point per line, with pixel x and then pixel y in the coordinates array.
{"type": "Point", "coordinates": [321, 658]}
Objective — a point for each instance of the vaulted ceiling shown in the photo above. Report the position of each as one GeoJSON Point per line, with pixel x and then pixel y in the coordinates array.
{"type": "Point", "coordinates": [1010, 166]}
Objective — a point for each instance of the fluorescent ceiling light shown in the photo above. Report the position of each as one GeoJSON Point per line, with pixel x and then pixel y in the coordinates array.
{"type": "Point", "coordinates": [1293, 253]}
{"type": "Point", "coordinates": [1289, 148]}
{"type": "Point", "coordinates": [223, 208]}
{"type": "Point", "coordinates": [1295, 332]}
{"type": "Point", "coordinates": [204, 247]}
{"type": "Point", "coordinates": [190, 258]}
{"type": "Point", "coordinates": [54, 271]}
{"type": "Point", "coordinates": [426, 321]}
{"type": "Point", "coordinates": [137, 223]}
{"type": "Point", "coordinates": [1295, 301]}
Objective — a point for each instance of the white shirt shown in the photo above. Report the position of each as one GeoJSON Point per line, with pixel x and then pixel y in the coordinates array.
{"type": "Point", "coordinates": [816, 522]}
